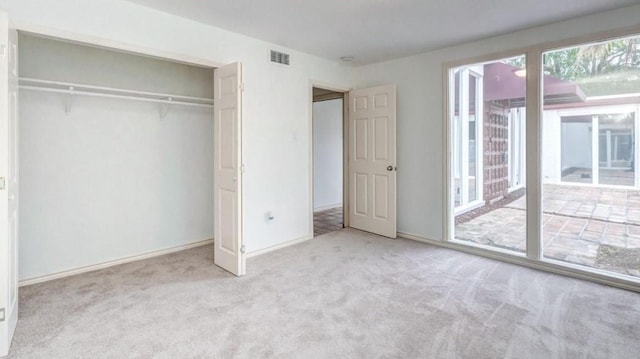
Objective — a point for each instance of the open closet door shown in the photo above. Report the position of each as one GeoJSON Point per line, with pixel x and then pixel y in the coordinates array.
{"type": "Point", "coordinates": [372, 160]}
{"type": "Point", "coordinates": [8, 183]}
{"type": "Point", "coordinates": [229, 248]}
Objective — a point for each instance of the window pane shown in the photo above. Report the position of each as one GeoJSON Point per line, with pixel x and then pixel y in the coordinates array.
{"type": "Point", "coordinates": [457, 143]}
{"type": "Point", "coordinates": [473, 129]}
{"type": "Point", "coordinates": [488, 124]}
{"type": "Point", "coordinates": [590, 198]}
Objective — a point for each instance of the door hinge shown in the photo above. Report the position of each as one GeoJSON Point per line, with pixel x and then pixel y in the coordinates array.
{"type": "Point", "coordinates": [1, 314]}
{"type": "Point", "coordinates": [2, 183]}
{"type": "Point", "coordinates": [241, 86]}
{"type": "Point", "coordinates": [241, 168]}
{"type": "Point", "coordinates": [3, 52]}
{"type": "Point", "coordinates": [242, 248]}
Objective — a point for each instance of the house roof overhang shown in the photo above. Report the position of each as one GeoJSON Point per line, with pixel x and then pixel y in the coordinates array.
{"type": "Point", "coordinates": [501, 83]}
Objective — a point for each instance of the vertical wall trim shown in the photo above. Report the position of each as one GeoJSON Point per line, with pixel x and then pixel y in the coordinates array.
{"type": "Point", "coordinates": [346, 209]}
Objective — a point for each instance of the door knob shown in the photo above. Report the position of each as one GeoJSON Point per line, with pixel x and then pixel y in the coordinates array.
{"type": "Point", "coordinates": [389, 168]}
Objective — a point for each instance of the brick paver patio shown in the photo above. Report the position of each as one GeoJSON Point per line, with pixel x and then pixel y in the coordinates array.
{"type": "Point", "coordinates": [596, 227]}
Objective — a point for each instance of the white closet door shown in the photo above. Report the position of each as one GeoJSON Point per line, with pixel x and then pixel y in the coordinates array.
{"type": "Point", "coordinates": [8, 183]}
{"type": "Point", "coordinates": [372, 160]}
{"type": "Point", "coordinates": [229, 249]}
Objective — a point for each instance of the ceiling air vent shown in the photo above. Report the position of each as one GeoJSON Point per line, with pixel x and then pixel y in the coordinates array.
{"type": "Point", "coordinates": [279, 57]}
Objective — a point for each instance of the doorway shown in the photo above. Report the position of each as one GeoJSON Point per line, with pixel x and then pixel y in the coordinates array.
{"type": "Point", "coordinates": [328, 160]}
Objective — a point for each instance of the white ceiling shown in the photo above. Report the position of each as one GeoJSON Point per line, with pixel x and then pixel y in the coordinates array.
{"type": "Point", "coordinates": [377, 30]}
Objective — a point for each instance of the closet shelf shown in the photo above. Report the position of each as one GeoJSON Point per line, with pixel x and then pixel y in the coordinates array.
{"type": "Point", "coordinates": [110, 92]}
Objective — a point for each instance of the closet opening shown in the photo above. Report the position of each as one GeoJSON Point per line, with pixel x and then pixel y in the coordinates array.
{"type": "Point", "coordinates": [116, 157]}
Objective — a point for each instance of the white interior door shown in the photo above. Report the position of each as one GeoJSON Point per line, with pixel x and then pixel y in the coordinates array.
{"type": "Point", "coordinates": [8, 183]}
{"type": "Point", "coordinates": [372, 160]}
{"type": "Point", "coordinates": [229, 248]}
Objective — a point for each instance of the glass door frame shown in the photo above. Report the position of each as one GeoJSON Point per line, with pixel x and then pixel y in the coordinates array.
{"type": "Point", "coordinates": [533, 163]}
{"type": "Point", "coordinates": [594, 112]}
{"type": "Point", "coordinates": [461, 138]}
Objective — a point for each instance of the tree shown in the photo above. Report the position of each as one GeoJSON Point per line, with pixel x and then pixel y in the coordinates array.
{"type": "Point", "coordinates": [590, 61]}
{"type": "Point", "coordinates": [596, 59]}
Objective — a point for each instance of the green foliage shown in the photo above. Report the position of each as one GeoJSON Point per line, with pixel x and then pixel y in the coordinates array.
{"type": "Point", "coordinates": [606, 68]}
{"type": "Point", "coordinates": [594, 60]}
{"type": "Point", "coordinates": [589, 61]}
{"type": "Point", "coordinates": [562, 64]}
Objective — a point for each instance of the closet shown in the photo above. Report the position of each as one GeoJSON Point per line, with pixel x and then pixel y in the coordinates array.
{"type": "Point", "coordinates": [116, 155]}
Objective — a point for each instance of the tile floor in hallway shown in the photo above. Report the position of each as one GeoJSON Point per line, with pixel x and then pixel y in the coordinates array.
{"type": "Point", "coordinates": [596, 227]}
{"type": "Point", "coordinates": [327, 221]}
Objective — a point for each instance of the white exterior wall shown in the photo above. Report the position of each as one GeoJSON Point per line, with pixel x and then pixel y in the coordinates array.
{"type": "Point", "coordinates": [570, 145]}
{"type": "Point", "coordinates": [575, 145]}
{"type": "Point", "coordinates": [551, 147]}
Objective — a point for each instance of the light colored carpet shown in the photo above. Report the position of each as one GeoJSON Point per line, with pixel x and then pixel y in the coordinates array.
{"type": "Point", "coordinates": [345, 294]}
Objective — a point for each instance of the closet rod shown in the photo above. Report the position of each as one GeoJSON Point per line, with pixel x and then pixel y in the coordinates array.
{"type": "Point", "coordinates": [80, 89]}
{"type": "Point", "coordinates": [97, 94]}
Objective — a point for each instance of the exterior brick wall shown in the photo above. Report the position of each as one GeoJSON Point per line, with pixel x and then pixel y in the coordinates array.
{"type": "Point", "coordinates": [495, 139]}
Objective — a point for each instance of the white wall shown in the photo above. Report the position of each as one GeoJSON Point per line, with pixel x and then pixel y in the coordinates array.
{"type": "Point", "coordinates": [576, 145]}
{"type": "Point", "coordinates": [551, 147]}
{"type": "Point", "coordinates": [419, 81]}
{"type": "Point", "coordinates": [327, 154]}
{"type": "Point", "coordinates": [276, 111]}
{"type": "Point", "coordinates": [110, 180]}
{"type": "Point", "coordinates": [45, 58]}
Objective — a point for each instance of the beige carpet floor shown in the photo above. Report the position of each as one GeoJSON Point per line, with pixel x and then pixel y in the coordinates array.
{"type": "Point", "coordinates": [345, 294]}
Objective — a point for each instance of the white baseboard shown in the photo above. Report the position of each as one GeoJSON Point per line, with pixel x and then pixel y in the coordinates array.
{"type": "Point", "coordinates": [547, 265]}
{"type": "Point", "coordinates": [93, 267]}
{"type": "Point", "coordinates": [277, 246]}
{"type": "Point", "coordinates": [324, 208]}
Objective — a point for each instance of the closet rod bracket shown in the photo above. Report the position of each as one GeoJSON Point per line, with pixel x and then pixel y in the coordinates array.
{"type": "Point", "coordinates": [163, 107]}
{"type": "Point", "coordinates": [67, 100]}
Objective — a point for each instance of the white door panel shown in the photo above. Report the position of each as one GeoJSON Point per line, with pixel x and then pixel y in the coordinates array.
{"type": "Point", "coordinates": [228, 172]}
{"type": "Point", "coordinates": [372, 160]}
{"type": "Point", "coordinates": [8, 183]}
